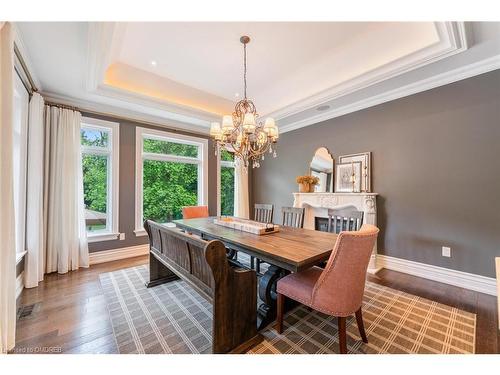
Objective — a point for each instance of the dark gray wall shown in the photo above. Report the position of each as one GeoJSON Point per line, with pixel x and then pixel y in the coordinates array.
{"type": "Point", "coordinates": [435, 165]}
{"type": "Point", "coordinates": [127, 183]}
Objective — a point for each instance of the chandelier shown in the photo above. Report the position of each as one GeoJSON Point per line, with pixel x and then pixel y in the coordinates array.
{"type": "Point", "coordinates": [242, 133]}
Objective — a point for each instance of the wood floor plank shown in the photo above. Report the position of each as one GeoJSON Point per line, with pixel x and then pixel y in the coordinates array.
{"type": "Point", "coordinates": [72, 314]}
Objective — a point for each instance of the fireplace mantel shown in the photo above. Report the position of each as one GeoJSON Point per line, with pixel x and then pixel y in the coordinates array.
{"type": "Point", "coordinates": [317, 205]}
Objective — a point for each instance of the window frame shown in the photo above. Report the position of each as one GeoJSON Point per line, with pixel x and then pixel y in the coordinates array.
{"type": "Point", "coordinates": [140, 156]}
{"type": "Point", "coordinates": [220, 164]}
{"type": "Point", "coordinates": [20, 206]}
{"type": "Point", "coordinates": [112, 151]}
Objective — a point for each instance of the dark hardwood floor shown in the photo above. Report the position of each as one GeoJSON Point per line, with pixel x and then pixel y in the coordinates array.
{"type": "Point", "coordinates": [70, 314]}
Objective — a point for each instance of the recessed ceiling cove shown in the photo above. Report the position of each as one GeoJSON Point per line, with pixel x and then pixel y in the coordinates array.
{"type": "Point", "coordinates": [197, 66]}
{"type": "Point", "coordinates": [188, 74]}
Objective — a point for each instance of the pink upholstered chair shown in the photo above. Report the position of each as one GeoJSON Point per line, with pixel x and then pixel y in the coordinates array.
{"type": "Point", "coordinates": [192, 212]}
{"type": "Point", "coordinates": [338, 288]}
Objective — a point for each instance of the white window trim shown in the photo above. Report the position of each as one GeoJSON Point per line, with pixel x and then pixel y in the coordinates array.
{"type": "Point", "coordinates": [202, 160]}
{"type": "Point", "coordinates": [221, 163]}
{"type": "Point", "coordinates": [20, 211]}
{"type": "Point", "coordinates": [113, 150]}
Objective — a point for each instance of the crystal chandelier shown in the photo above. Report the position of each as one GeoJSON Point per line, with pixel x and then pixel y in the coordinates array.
{"type": "Point", "coordinates": [242, 132]}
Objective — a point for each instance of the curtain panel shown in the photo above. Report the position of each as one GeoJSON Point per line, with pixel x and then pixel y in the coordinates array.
{"type": "Point", "coordinates": [34, 265]}
{"type": "Point", "coordinates": [7, 217]}
{"type": "Point", "coordinates": [56, 238]}
{"type": "Point", "coordinates": [65, 239]}
{"type": "Point", "coordinates": [241, 201]}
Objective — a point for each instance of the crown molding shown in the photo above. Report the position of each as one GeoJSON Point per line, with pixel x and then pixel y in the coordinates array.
{"type": "Point", "coordinates": [104, 42]}
{"type": "Point", "coordinates": [448, 77]}
{"type": "Point", "coordinates": [452, 40]}
{"type": "Point", "coordinates": [18, 40]}
{"type": "Point", "coordinates": [128, 113]}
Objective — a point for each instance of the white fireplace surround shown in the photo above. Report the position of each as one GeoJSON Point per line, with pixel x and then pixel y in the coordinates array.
{"type": "Point", "coordinates": [317, 205]}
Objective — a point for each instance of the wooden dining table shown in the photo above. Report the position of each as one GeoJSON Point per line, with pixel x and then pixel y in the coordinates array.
{"type": "Point", "coordinates": [288, 250]}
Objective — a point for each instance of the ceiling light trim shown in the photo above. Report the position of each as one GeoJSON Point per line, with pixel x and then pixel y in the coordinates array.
{"type": "Point", "coordinates": [452, 40]}
{"type": "Point", "coordinates": [458, 74]}
{"type": "Point", "coordinates": [104, 41]}
{"type": "Point", "coordinates": [116, 110]}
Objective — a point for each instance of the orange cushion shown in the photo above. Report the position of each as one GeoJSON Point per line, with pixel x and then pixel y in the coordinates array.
{"type": "Point", "coordinates": [192, 212]}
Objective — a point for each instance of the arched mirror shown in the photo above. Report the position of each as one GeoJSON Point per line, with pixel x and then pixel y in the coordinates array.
{"type": "Point", "coordinates": [322, 167]}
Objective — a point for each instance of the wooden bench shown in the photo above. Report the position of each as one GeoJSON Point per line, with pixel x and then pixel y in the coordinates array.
{"type": "Point", "coordinates": [204, 266]}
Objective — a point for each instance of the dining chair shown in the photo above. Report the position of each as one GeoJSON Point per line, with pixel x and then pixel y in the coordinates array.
{"type": "Point", "coordinates": [193, 212]}
{"type": "Point", "coordinates": [338, 289]}
{"type": "Point", "coordinates": [292, 217]}
{"type": "Point", "coordinates": [262, 213]}
{"type": "Point", "coordinates": [344, 219]}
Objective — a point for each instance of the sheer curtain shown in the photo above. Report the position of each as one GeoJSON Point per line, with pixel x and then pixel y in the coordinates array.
{"type": "Point", "coordinates": [65, 244]}
{"type": "Point", "coordinates": [7, 218]}
{"type": "Point", "coordinates": [241, 203]}
{"type": "Point", "coordinates": [34, 265]}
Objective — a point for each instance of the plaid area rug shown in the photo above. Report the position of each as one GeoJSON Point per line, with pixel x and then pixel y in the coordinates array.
{"type": "Point", "coordinates": [173, 318]}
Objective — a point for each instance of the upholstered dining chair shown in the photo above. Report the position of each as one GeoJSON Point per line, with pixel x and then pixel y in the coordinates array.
{"type": "Point", "coordinates": [192, 212]}
{"type": "Point", "coordinates": [338, 289]}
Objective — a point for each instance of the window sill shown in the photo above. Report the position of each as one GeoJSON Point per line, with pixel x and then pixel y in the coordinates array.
{"type": "Point", "coordinates": [20, 256]}
{"type": "Point", "coordinates": [102, 237]}
{"type": "Point", "coordinates": [140, 232]}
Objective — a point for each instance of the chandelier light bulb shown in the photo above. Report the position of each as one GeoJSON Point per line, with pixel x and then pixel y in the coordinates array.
{"type": "Point", "coordinates": [215, 131]}
{"type": "Point", "coordinates": [249, 123]}
{"type": "Point", "coordinates": [227, 124]}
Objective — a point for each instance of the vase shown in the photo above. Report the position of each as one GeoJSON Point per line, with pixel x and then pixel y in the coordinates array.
{"type": "Point", "coordinates": [311, 188]}
{"type": "Point", "coordinates": [303, 188]}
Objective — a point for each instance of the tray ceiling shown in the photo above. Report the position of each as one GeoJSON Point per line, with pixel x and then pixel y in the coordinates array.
{"type": "Point", "coordinates": [191, 73]}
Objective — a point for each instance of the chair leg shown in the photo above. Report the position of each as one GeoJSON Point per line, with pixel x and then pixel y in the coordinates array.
{"type": "Point", "coordinates": [361, 326]}
{"type": "Point", "coordinates": [342, 334]}
{"type": "Point", "coordinates": [280, 302]}
{"type": "Point", "coordinates": [257, 265]}
{"type": "Point", "coordinates": [252, 262]}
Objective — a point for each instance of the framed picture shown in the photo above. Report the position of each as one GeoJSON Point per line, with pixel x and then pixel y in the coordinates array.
{"type": "Point", "coordinates": [348, 177]}
{"type": "Point", "coordinates": [366, 168]}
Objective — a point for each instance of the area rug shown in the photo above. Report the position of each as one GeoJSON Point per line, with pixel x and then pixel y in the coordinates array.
{"type": "Point", "coordinates": [172, 318]}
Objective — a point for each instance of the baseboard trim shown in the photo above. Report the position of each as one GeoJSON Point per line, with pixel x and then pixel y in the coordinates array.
{"type": "Point", "coordinates": [118, 254]}
{"type": "Point", "coordinates": [461, 279]}
{"type": "Point", "coordinates": [19, 284]}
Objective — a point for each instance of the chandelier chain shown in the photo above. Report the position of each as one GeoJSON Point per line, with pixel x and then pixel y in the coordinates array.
{"type": "Point", "coordinates": [245, 68]}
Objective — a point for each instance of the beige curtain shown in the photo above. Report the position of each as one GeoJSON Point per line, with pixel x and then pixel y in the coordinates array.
{"type": "Point", "coordinates": [7, 218]}
{"type": "Point", "coordinates": [241, 203]}
{"type": "Point", "coordinates": [64, 232]}
{"type": "Point", "coordinates": [34, 265]}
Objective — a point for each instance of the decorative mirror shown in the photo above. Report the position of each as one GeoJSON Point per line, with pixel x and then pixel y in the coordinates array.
{"type": "Point", "coordinates": [322, 167]}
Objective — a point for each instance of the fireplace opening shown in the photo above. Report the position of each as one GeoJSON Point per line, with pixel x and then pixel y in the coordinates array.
{"type": "Point", "coordinates": [321, 224]}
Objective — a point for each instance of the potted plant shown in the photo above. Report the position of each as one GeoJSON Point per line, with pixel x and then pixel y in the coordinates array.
{"type": "Point", "coordinates": [313, 183]}
{"type": "Point", "coordinates": [305, 183]}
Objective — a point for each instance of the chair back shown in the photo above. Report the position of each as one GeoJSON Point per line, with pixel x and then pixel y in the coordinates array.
{"type": "Point", "coordinates": [292, 217]}
{"type": "Point", "coordinates": [192, 212]}
{"type": "Point", "coordinates": [339, 290]}
{"type": "Point", "coordinates": [344, 219]}
{"type": "Point", "coordinates": [263, 213]}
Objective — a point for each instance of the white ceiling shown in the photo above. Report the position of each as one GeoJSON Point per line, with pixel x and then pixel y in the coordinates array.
{"type": "Point", "coordinates": [292, 67]}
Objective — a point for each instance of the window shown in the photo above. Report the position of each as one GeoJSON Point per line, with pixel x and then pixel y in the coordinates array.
{"type": "Point", "coordinates": [100, 158]}
{"type": "Point", "coordinates": [226, 183]}
{"type": "Point", "coordinates": [20, 117]}
{"type": "Point", "coordinates": [171, 173]}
